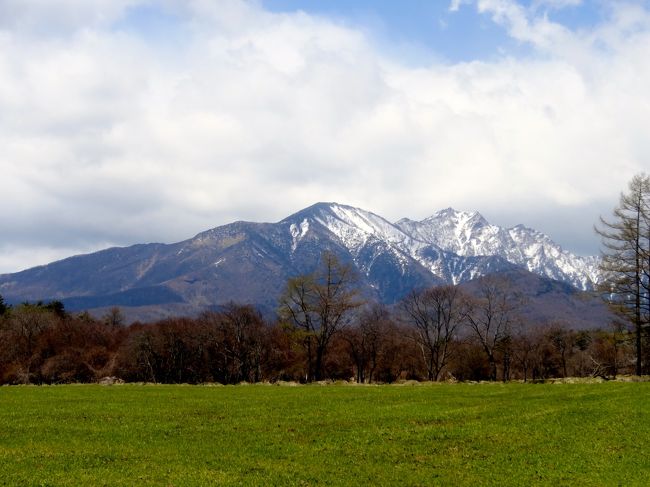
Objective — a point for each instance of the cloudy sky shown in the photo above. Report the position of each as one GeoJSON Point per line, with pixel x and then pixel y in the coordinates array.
{"type": "Point", "coordinates": [129, 121]}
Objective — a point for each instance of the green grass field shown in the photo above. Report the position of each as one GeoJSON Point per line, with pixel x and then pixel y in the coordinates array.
{"type": "Point", "coordinates": [451, 434]}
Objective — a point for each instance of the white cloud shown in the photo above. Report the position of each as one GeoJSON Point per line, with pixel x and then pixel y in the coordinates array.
{"type": "Point", "coordinates": [455, 5]}
{"type": "Point", "coordinates": [108, 136]}
{"type": "Point", "coordinates": [523, 25]}
{"type": "Point", "coordinates": [555, 4]}
{"type": "Point", "coordinates": [45, 16]}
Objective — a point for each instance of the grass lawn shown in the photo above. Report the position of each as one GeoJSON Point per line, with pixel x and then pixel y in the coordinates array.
{"type": "Point", "coordinates": [448, 434]}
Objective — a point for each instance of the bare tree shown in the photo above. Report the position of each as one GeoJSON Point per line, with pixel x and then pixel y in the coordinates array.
{"type": "Point", "coordinates": [318, 305]}
{"type": "Point", "coordinates": [114, 317]}
{"type": "Point", "coordinates": [433, 316]}
{"type": "Point", "coordinates": [26, 323]}
{"type": "Point", "coordinates": [563, 342]}
{"type": "Point", "coordinates": [626, 258]}
{"type": "Point", "coordinates": [524, 346]}
{"type": "Point", "coordinates": [368, 340]}
{"type": "Point", "coordinates": [491, 316]}
{"type": "Point", "coordinates": [240, 333]}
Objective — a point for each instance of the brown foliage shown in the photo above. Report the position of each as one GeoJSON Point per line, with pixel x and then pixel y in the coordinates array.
{"type": "Point", "coordinates": [39, 344]}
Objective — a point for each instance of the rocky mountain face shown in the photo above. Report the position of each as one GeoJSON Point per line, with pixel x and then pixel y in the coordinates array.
{"type": "Point", "coordinates": [250, 262]}
{"type": "Point", "coordinates": [469, 234]}
{"type": "Point", "coordinates": [454, 246]}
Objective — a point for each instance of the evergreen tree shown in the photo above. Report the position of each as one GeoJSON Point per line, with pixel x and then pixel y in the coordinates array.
{"type": "Point", "coordinates": [626, 258]}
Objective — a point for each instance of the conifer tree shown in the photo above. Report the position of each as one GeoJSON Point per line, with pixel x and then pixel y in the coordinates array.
{"type": "Point", "coordinates": [626, 258]}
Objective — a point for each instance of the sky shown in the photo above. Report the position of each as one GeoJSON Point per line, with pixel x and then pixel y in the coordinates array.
{"type": "Point", "coordinates": [133, 121]}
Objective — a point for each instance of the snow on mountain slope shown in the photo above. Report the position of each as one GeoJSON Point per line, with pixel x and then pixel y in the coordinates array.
{"type": "Point", "coordinates": [469, 234]}
{"type": "Point", "coordinates": [444, 243]}
{"type": "Point", "coordinates": [353, 228]}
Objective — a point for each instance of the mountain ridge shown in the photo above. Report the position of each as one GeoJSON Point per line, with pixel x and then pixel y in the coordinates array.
{"type": "Point", "coordinates": [250, 262]}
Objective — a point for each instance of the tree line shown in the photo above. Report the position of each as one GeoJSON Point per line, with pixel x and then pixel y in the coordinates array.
{"type": "Point", "coordinates": [324, 329]}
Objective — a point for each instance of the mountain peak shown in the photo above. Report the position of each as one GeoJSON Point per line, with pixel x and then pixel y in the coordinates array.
{"type": "Point", "coordinates": [456, 217]}
{"type": "Point", "coordinates": [352, 226]}
{"type": "Point", "coordinates": [321, 209]}
{"type": "Point", "coordinates": [327, 206]}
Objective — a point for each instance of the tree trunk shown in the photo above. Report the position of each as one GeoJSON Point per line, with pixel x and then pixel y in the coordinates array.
{"type": "Point", "coordinates": [493, 367]}
{"type": "Point", "coordinates": [318, 368]}
{"type": "Point", "coordinates": [506, 366]}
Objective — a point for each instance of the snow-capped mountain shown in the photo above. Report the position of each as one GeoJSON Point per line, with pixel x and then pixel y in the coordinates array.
{"type": "Point", "coordinates": [469, 234]}
{"type": "Point", "coordinates": [455, 246]}
{"type": "Point", "coordinates": [251, 262]}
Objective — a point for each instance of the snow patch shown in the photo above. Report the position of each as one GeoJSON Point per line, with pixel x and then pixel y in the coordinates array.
{"type": "Point", "coordinates": [298, 233]}
{"type": "Point", "coordinates": [469, 234]}
{"type": "Point", "coordinates": [458, 233]}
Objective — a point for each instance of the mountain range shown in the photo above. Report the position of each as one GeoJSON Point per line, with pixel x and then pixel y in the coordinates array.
{"type": "Point", "coordinates": [251, 262]}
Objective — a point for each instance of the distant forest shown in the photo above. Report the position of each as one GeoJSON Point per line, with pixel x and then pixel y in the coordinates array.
{"type": "Point", "coordinates": [323, 330]}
